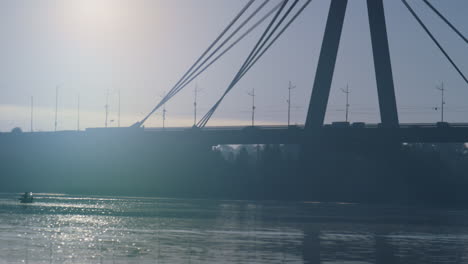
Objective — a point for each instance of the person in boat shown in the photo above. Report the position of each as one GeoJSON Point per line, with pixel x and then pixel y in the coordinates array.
{"type": "Point", "coordinates": [27, 197]}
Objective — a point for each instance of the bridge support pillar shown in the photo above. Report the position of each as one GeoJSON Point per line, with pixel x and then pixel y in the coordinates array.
{"type": "Point", "coordinates": [382, 64]}
{"type": "Point", "coordinates": [327, 60]}
{"type": "Point", "coordinates": [326, 64]}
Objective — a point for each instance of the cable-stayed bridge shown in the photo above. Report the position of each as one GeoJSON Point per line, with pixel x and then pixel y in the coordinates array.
{"type": "Point", "coordinates": [277, 17]}
{"type": "Point", "coordinates": [280, 18]}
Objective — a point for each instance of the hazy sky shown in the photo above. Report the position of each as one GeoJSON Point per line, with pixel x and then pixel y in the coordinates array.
{"type": "Point", "coordinates": [142, 47]}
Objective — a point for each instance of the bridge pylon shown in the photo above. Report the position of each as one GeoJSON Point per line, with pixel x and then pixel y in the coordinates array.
{"type": "Point", "coordinates": [327, 60]}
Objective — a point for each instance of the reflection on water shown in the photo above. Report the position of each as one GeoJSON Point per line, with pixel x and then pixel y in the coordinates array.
{"type": "Point", "coordinates": [89, 229]}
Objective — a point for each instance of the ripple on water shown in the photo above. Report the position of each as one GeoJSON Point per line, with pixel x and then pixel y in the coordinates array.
{"type": "Point", "coordinates": [84, 229]}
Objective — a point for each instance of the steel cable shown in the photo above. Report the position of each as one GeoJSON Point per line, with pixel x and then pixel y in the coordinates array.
{"type": "Point", "coordinates": [446, 20]}
{"type": "Point", "coordinates": [207, 116]}
{"type": "Point", "coordinates": [199, 59]}
{"type": "Point", "coordinates": [421, 23]}
{"type": "Point", "coordinates": [253, 60]}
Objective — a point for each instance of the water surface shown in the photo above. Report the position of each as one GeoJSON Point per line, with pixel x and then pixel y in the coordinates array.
{"type": "Point", "coordinates": [59, 228]}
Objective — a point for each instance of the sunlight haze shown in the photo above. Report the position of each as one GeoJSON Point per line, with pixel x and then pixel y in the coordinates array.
{"type": "Point", "coordinates": [142, 47]}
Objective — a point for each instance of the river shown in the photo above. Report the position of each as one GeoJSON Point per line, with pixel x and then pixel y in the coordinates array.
{"type": "Point", "coordinates": [60, 228]}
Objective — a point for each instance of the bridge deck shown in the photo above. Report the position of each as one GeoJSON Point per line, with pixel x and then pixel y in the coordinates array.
{"type": "Point", "coordinates": [410, 133]}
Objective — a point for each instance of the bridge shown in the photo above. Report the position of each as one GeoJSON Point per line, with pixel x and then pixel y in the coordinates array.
{"type": "Point", "coordinates": [280, 17]}
{"type": "Point", "coordinates": [284, 14]}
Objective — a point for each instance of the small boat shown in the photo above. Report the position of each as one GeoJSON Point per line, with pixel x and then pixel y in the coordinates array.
{"type": "Point", "coordinates": [27, 197]}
